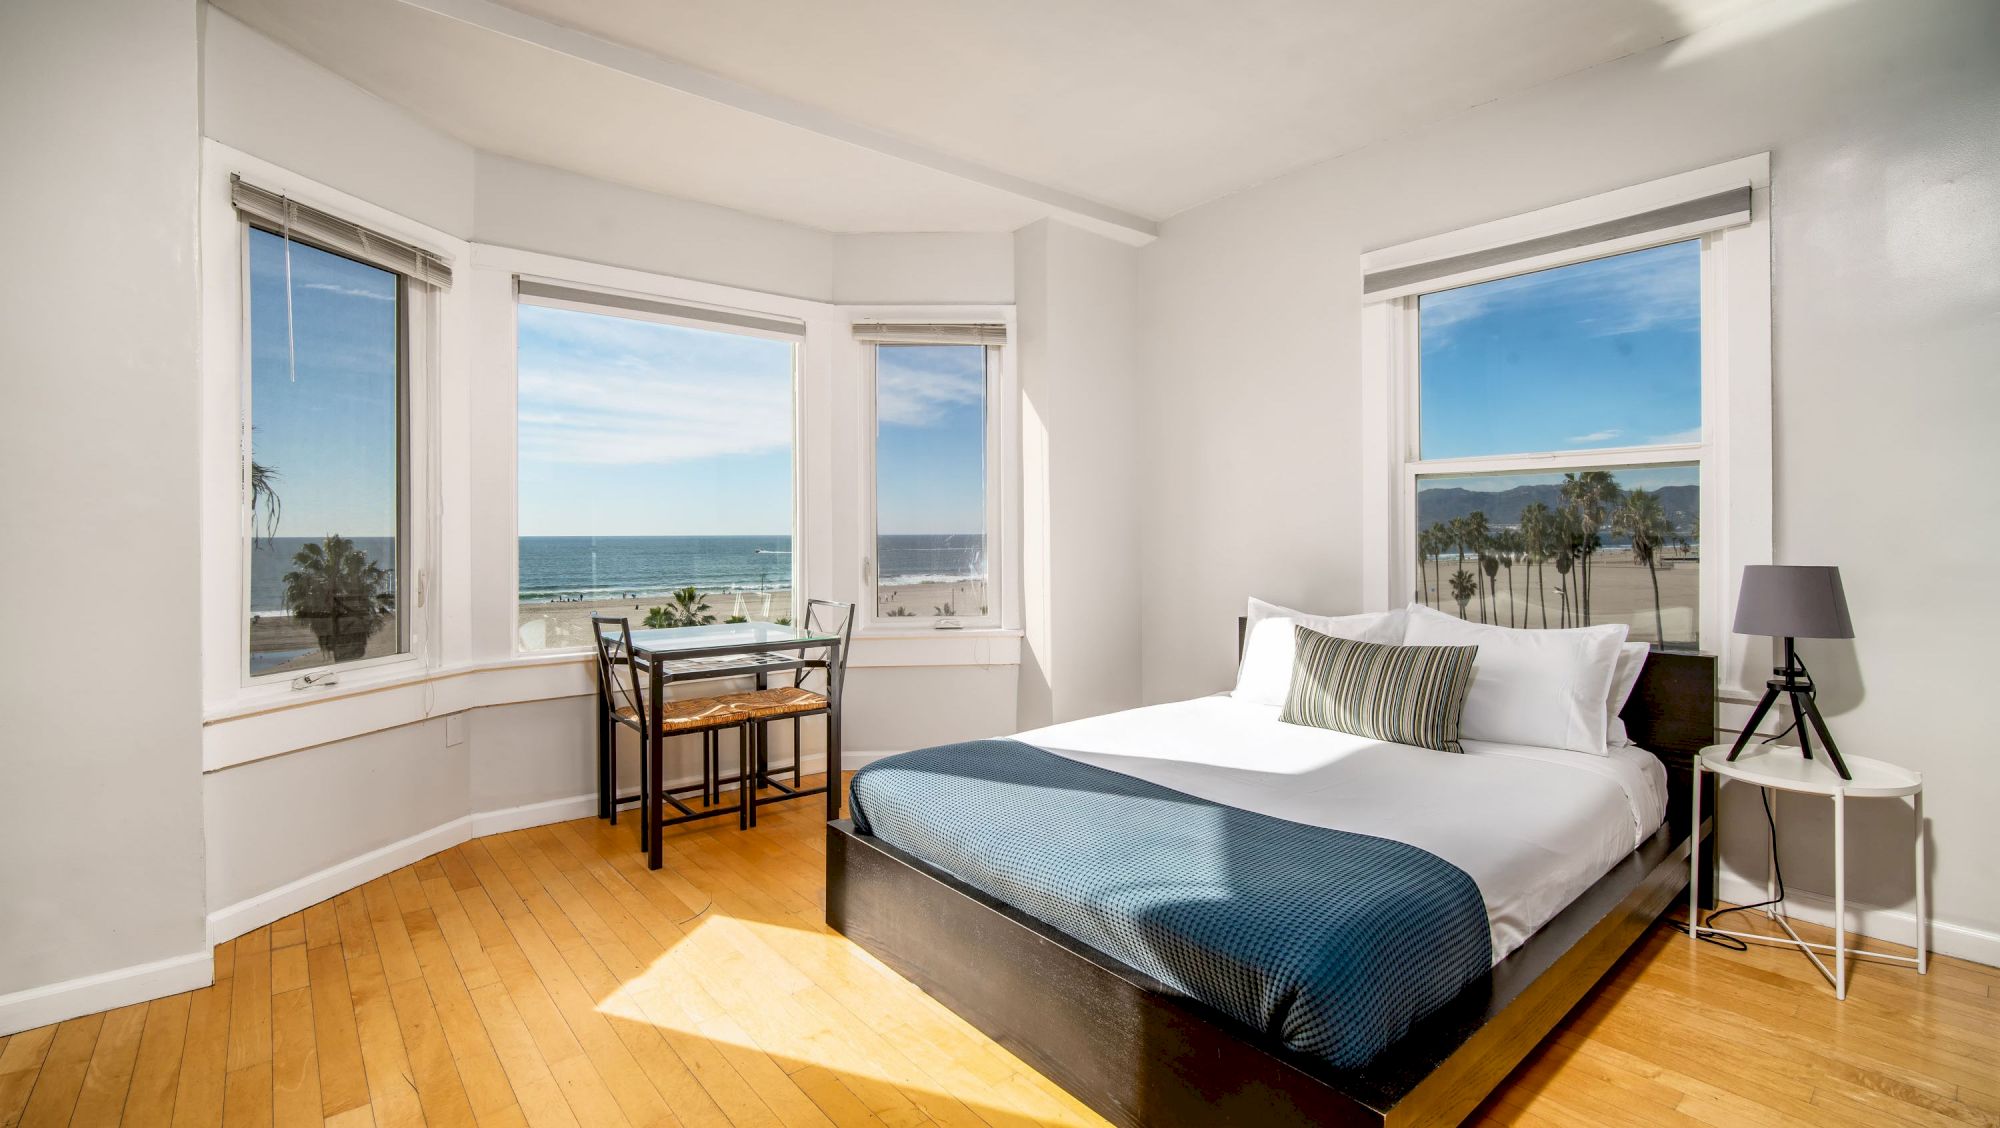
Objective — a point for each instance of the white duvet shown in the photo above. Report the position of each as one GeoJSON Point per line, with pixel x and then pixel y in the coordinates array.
{"type": "Point", "coordinates": [1533, 827]}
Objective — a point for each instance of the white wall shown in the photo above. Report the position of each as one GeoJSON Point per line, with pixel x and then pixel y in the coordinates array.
{"type": "Point", "coordinates": [945, 267]}
{"type": "Point", "coordinates": [1880, 117]}
{"type": "Point", "coordinates": [100, 794]}
{"type": "Point", "coordinates": [543, 209]}
{"type": "Point", "coordinates": [1078, 309]}
{"type": "Point", "coordinates": [264, 98]}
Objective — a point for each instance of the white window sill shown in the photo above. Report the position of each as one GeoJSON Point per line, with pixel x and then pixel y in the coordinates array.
{"type": "Point", "coordinates": [273, 720]}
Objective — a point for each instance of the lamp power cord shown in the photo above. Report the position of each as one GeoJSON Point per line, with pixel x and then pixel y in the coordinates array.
{"type": "Point", "coordinates": [1771, 830]}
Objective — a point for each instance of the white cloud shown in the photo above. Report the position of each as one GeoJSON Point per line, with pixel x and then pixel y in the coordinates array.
{"type": "Point", "coordinates": [349, 291]}
{"type": "Point", "coordinates": [1691, 435]}
{"type": "Point", "coordinates": [1604, 297]}
{"type": "Point", "coordinates": [1603, 436]}
{"type": "Point", "coordinates": [920, 399]}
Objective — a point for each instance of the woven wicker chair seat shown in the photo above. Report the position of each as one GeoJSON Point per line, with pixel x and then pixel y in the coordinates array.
{"type": "Point", "coordinates": [765, 704]}
{"type": "Point", "coordinates": [695, 713]}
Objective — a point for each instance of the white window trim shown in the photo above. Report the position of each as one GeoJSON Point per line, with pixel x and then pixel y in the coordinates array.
{"type": "Point", "coordinates": [1735, 451]}
{"type": "Point", "coordinates": [1002, 478]}
{"type": "Point", "coordinates": [227, 688]}
{"type": "Point", "coordinates": [499, 336]}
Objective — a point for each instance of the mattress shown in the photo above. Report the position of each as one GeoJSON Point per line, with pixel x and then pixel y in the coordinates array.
{"type": "Point", "coordinates": [1532, 827]}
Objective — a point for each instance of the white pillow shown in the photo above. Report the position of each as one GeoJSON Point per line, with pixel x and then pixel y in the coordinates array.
{"type": "Point", "coordinates": [1546, 689]}
{"type": "Point", "coordinates": [1265, 674]}
{"type": "Point", "coordinates": [1631, 660]}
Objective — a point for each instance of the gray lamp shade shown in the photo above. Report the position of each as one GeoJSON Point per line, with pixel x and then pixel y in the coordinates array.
{"type": "Point", "coordinates": [1792, 601]}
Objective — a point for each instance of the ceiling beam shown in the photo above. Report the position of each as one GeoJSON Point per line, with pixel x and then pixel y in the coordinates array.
{"type": "Point", "coordinates": [499, 19]}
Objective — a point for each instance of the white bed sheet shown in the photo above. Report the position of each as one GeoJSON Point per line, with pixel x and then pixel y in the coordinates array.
{"type": "Point", "coordinates": [1533, 827]}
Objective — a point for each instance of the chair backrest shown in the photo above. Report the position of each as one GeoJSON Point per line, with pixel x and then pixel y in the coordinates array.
{"type": "Point", "coordinates": [826, 616]}
{"type": "Point", "coordinates": [614, 649]}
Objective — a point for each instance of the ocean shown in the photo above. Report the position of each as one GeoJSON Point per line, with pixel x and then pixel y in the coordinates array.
{"type": "Point", "coordinates": [609, 567]}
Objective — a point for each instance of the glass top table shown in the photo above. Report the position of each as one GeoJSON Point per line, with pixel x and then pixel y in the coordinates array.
{"type": "Point", "coordinates": [757, 649]}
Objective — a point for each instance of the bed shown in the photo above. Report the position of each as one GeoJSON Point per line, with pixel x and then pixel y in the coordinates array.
{"type": "Point", "coordinates": [1588, 852]}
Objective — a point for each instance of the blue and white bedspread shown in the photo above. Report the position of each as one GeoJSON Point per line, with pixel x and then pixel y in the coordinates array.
{"type": "Point", "coordinates": [1332, 942]}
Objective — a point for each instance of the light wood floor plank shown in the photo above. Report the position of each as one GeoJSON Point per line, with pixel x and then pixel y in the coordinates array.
{"type": "Point", "coordinates": [156, 1071]}
{"type": "Point", "coordinates": [545, 977]}
{"type": "Point", "coordinates": [109, 1077]}
{"type": "Point", "coordinates": [63, 1070]}
{"type": "Point", "coordinates": [205, 1059]}
{"type": "Point", "coordinates": [295, 1096]}
{"type": "Point", "coordinates": [343, 1079]}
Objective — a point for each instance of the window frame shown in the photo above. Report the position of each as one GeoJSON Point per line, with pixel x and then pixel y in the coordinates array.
{"type": "Point", "coordinates": [869, 601]}
{"type": "Point", "coordinates": [1003, 481]}
{"type": "Point", "coordinates": [1733, 456]}
{"type": "Point", "coordinates": [801, 551]}
{"type": "Point", "coordinates": [408, 317]}
{"type": "Point", "coordinates": [228, 690]}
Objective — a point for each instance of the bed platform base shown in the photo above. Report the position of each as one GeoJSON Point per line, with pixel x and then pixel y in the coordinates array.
{"type": "Point", "coordinates": [1140, 1054]}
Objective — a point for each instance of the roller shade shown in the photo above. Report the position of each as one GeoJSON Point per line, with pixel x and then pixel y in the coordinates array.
{"type": "Point", "coordinates": [288, 217]}
{"type": "Point", "coordinates": [1687, 219]}
{"type": "Point", "coordinates": [656, 309]}
{"type": "Point", "coordinates": [911, 333]}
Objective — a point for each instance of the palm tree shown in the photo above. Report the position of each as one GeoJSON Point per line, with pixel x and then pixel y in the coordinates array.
{"type": "Point", "coordinates": [1588, 493]}
{"type": "Point", "coordinates": [1461, 589]}
{"type": "Point", "coordinates": [658, 617]}
{"type": "Point", "coordinates": [1536, 535]}
{"type": "Point", "coordinates": [263, 492]}
{"type": "Point", "coordinates": [1476, 531]}
{"type": "Point", "coordinates": [340, 595]}
{"type": "Point", "coordinates": [1440, 539]}
{"type": "Point", "coordinates": [1642, 519]}
{"type": "Point", "coordinates": [1565, 560]}
{"type": "Point", "coordinates": [1426, 545]}
{"type": "Point", "coordinates": [1508, 542]}
{"type": "Point", "coordinates": [1489, 565]}
{"type": "Point", "coordinates": [689, 609]}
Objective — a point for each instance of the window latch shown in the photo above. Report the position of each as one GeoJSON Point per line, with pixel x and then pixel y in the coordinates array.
{"type": "Point", "coordinates": [323, 678]}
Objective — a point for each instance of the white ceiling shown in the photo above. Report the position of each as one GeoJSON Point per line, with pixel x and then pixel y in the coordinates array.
{"type": "Point", "coordinates": [896, 115]}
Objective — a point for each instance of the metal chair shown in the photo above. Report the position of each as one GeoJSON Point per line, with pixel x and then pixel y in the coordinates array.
{"type": "Point", "coordinates": [795, 702]}
{"type": "Point", "coordinates": [622, 701]}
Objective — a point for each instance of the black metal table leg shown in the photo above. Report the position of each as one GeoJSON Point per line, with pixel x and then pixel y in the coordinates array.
{"type": "Point", "coordinates": [833, 688]}
{"type": "Point", "coordinates": [652, 788]}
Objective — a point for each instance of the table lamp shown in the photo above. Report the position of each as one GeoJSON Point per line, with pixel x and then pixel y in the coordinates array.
{"type": "Point", "coordinates": [1793, 601]}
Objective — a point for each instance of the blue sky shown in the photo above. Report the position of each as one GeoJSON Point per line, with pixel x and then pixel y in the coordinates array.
{"type": "Point", "coordinates": [930, 444]}
{"type": "Point", "coordinates": [328, 428]}
{"type": "Point", "coordinates": [1605, 353]}
{"type": "Point", "coordinates": [638, 428]}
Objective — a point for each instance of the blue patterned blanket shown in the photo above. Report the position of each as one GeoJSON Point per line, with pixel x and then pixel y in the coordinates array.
{"type": "Point", "coordinates": [1333, 943]}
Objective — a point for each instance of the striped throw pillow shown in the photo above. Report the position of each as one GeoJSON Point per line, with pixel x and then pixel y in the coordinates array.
{"type": "Point", "coordinates": [1404, 694]}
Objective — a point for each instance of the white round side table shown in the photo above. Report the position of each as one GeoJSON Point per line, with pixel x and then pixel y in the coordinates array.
{"type": "Point", "coordinates": [1781, 767]}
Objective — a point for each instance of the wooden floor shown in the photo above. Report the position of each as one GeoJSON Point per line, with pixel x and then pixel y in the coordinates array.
{"type": "Point", "coordinates": [546, 977]}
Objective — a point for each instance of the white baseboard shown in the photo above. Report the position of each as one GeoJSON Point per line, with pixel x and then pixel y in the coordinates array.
{"type": "Point", "coordinates": [1896, 926]}
{"type": "Point", "coordinates": [39, 1006]}
{"type": "Point", "coordinates": [232, 921]}
{"type": "Point", "coordinates": [255, 912]}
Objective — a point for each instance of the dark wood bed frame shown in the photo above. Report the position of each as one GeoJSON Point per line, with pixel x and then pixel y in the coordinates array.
{"type": "Point", "coordinates": [1140, 1054]}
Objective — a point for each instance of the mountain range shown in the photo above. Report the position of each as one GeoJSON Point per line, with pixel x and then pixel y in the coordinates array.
{"type": "Point", "coordinates": [1503, 507]}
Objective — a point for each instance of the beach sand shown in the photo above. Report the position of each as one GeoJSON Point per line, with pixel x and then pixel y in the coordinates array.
{"type": "Point", "coordinates": [1620, 592]}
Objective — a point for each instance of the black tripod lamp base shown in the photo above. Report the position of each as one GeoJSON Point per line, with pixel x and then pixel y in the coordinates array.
{"type": "Point", "coordinates": [1795, 684]}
